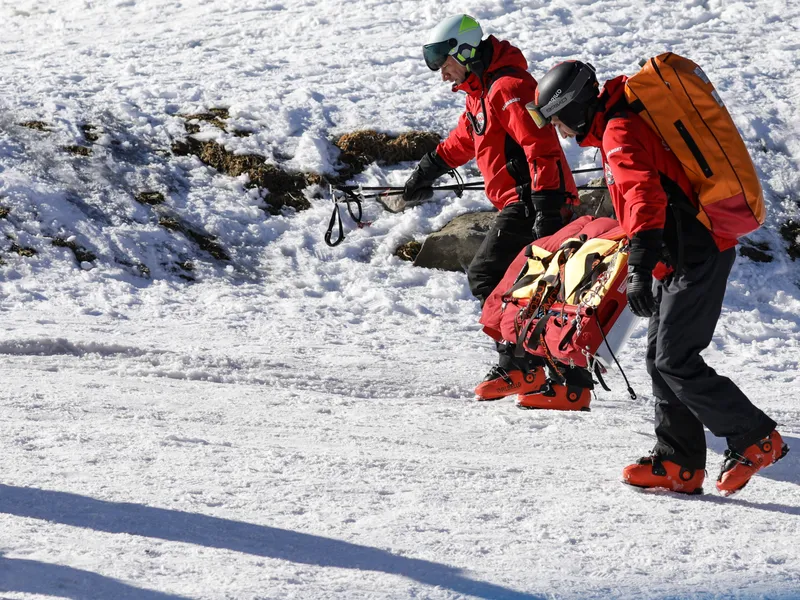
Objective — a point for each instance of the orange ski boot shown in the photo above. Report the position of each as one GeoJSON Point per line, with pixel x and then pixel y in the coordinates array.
{"type": "Point", "coordinates": [653, 472]}
{"type": "Point", "coordinates": [557, 397]}
{"type": "Point", "coordinates": [500, 383]}
{"type": "Point", "coordinates": [737, 469]}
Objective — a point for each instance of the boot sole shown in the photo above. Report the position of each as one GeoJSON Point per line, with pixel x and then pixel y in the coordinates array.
{"type": "Point", "coordinates": [587, 409]}
{"type": "Point", "coordinates": [784, 452]}
{"type": "Point", "coordinates": [697, 492]}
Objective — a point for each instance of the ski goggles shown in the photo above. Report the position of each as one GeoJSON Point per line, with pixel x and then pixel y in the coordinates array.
{"type": "Point", "coordinates": [436, 54]}
{"type": "Point", "coordinates": [543, 115]}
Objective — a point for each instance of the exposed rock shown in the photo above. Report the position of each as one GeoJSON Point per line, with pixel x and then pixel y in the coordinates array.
{"type": "Point", "coordinates": [595, 202]}
{"type": "Point", "coordinates": [453, 248]}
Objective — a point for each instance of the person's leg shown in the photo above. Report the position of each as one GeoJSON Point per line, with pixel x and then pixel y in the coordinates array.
{"type": "Point", "coordinates": [680, 435]}
{"type": "Point", "coordinates": [574, 394]}
{"type": "Point", "coordinates": [511, 375]}
{"type": "Point", "coordinates": [677, 461]}
{"type": "Point", "coordinates": [690, 307]}
{"type": "Point", "coordinates": [510, 233]}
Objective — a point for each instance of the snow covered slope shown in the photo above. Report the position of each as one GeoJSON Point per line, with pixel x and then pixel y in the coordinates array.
{"type": "Point", "coordinates": [298, 422]}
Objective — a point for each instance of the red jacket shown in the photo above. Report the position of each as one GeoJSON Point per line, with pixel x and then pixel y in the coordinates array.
{"type": "Point", "coordinates": [505, 87]}
{"type": "Point", "coordinates": [639, 168]}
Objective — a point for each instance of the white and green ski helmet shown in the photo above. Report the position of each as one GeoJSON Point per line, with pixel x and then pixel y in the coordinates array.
{"type": "Point", "coordinates": [457, 36]}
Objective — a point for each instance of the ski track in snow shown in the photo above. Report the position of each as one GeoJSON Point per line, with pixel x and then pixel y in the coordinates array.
{"type": "Point", "coordinates": [299, 423]}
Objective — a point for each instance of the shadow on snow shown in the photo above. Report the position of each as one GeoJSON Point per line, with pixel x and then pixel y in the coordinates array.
{"type": "Point", "coordinates": [33, 577]}
{"type": "Point", "coordinates": [214, 532]}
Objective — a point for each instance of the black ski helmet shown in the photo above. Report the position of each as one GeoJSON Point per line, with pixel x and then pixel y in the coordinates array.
{"type": "Point", "coordinates": [568, 91]}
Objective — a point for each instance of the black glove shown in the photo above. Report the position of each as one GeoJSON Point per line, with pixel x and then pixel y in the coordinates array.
{"type": "Point", "coordinates": [640, 292]}
{"type": "Point", "coordinates": [548, 218]}
{"type": "Point", "coordinates": [643, 255]}
{"type": "Point", "coordinates": [418, 186]}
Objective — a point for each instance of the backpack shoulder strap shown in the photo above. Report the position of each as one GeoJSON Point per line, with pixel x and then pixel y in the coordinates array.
{"type": "Point", "coordinates": [493, 76]}
{"type": "Point", "coordinates": [620, 110]}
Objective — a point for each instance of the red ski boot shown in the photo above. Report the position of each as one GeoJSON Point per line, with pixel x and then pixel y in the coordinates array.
{"type": "Point", "coordinates": [737, 469]}
{"type": "Point", "coordinates": [500, 383]}
{"type": "Point", "coordinates": [557, 397]}
{"type": "Point", "coordinates": [653, 472]}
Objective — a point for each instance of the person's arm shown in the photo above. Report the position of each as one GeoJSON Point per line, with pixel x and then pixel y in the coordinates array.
{"type": "Point", "coordinates": [452, 152]}
{"type": "Point", "coordinates": [551, 180]}
{"type": "Point", "coordinates": [643, 209]}
{"type": "Point", "coordinates": [636, 176]}
{"type": "Point", "coordinates": [549, 171]}
{"type": "Point", "coordinates": [459, 147]}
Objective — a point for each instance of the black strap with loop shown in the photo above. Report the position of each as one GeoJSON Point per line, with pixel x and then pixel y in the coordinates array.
{"type": "Point", "coordinates": [599, 374]}
{"type": "Point", "coordinates": [349, 198]}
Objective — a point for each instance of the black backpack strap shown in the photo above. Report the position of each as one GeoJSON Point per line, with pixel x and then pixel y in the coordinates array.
{"type": "Point", "coordinates": [493, 76]}
{"type": "Point", "coordinates": [620, 110]}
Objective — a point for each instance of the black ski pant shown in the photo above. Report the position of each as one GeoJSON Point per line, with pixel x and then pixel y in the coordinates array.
{"type": "Point", "coordinates": [690, 394]}
{"type": "Point", "coordinates": [510, 233]}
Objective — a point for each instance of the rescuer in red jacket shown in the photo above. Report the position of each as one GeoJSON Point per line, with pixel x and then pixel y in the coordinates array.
{"type": "Point", "coordinates": [526, 175]}
{"type": "Point", "coordinates": [655, 205]}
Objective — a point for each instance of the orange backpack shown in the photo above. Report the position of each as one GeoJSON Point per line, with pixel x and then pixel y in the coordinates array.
{"type": "Point", "coordinates": [676, 99]}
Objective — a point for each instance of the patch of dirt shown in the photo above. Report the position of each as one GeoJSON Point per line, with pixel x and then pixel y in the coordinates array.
{"type": "Point", "coordinates": [81, 253]}
{"type": "Point", "coordinates": [90, 132]}
{"type": "Point", "coordinates": [285, 189]}
{"type": "Point", "coordinates": [37, 125]}
{"type": "Point", "coordinates": [755, 251]}
{"type": "Point", "coordinates": [361, 148]}
{"type": "Point", "coordinates": [142, 269]}
{"type": "Point", "coordinates": [205, 241]}
{"type": "Point", "coordinates": [790, 231]}
{"type": "Point", "coordinates": [191, 127]}
{"type": "Point", "coordinates": [22, 250]}
{"type": "Point", "coordinates": [4, 212]}
{"type": "Point", "coordinates": [755, 254]}
{"type": "Point", "coordinates": [408, 251]}
{"type": "Point", "coordinates": [214, 116]}
{"type": "Point", "coordinates": [77, 150]}
{"type": "Point", "coordinates": [150, 198]}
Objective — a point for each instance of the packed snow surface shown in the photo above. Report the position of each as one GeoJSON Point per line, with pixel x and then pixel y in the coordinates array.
{"type": "Point", "coordinates": [298, 421]}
